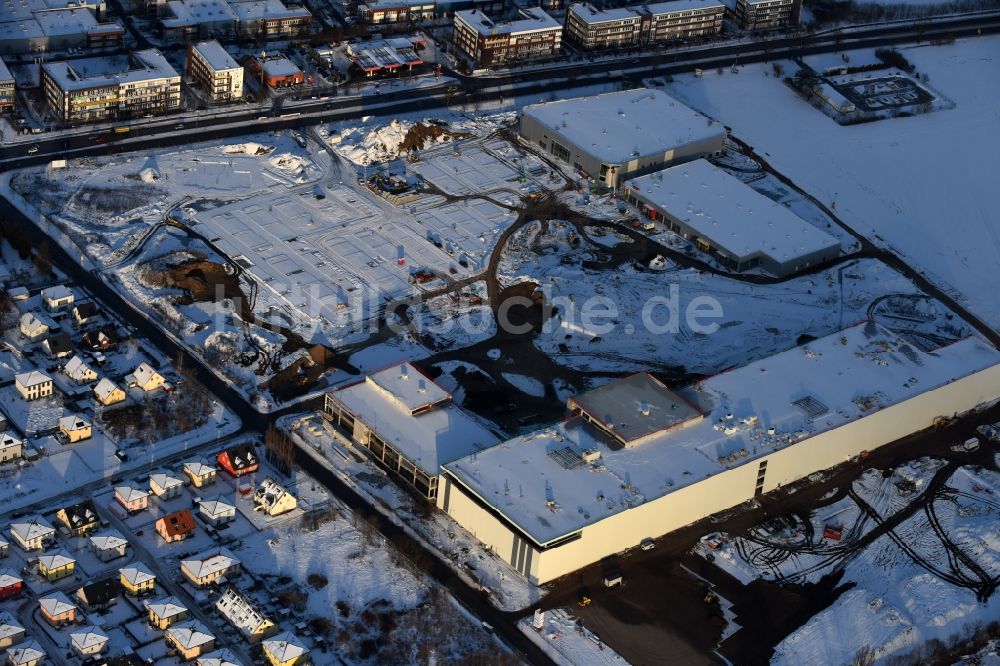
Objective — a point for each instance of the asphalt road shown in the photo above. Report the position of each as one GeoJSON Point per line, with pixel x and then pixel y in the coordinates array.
{"type": "Point", "coordinates": [560, 76]}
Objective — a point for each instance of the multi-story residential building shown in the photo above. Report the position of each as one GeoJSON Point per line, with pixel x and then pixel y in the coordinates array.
{"type": "Point", "coordinates": [39, 26]}
{"type": "Point", "coordinates": [8, 96]}
{"type": "Point", "coordinates": [591, 28]}
{"type": "Point", "coordinates": [33, 385]}
{"type": "Point", "coordinates": [143, 83]}
{"type": "Point", "coordinates": [271, 19]}
{"type": "Point", "coordinates": [487, 43]}
{"type": "Point", "coordinates": [215, 71]}
{"type": "Point", "coordinates": [767, 14]}
{"type": "Point", "coordinates": [240, 612]}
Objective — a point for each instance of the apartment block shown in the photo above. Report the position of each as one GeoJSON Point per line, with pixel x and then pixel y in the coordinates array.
{"type": "Point", "coordinates": [8, 96]}
{"type": "Point", "coordinates": [215, 71]}
{"type": "Point", "coordinates": [591, 28]}
{"type": "Point", "coordinates": [108, 88]}
{"type": "Point", "coordinates": [533, 35]}
{"type": "Point", "coordinates": [767, 14]}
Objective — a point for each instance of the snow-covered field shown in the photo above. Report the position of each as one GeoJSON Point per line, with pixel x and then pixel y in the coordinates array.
{"type": "Point", "coordinates": [911, 184]}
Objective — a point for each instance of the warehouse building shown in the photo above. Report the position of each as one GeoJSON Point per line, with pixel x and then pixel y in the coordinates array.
{"type": "Point", "coordinates": [730, 220]}
{"type": "Point", "coordinates": [95, 89]}
{"type": "Point", "coordinates": [488, 43]}
{"type": "Point", "coordinates": [591, 28]}
{"type": "Point", "coordinates": [569, 495]}
{"type": "Point", "coordinates": [407, 424]}
{"type": "Point", "coordinates": [215, 71]}
{"type": "Point", "coordinates": [616, 136]}
{"type": "Point", "coordinates": [766, 14]}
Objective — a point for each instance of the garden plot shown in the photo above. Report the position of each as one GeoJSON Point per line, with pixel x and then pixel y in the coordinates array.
{"type": "Point", "coordinates": [879, 174]}
{"type": "Point", "coordinates": [465, 171]}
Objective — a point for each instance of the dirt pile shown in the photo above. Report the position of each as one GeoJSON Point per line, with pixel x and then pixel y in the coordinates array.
{"type": "Point", "coordinates": [421, 135]}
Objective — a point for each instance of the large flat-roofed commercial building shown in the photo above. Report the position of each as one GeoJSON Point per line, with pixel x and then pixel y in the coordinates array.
{"type": "Point", "coordinates": [566, 496]}
{"type": "Point", "coordinates": [8, 92]}
{"type": "Point", "coordinates": [201, 19]}
{"type": "Point", "coordinates": [766, 14]}
{"type": "Point", "coordinates": [408, 424]}
{"type": "Point", "coordinates": [216, 71]}
{"type": "Point", "coordinates": [40, 26]}
{"type": "Point", "coordinates": [534, 34]}
{"type": "Point", "coordinates": [95, 89]}
{"type": "Point", "coordinates": [730, 220]}
{"type": "Point", "coordinates": [615, 136]}
{"type": "Point", "coordinates": [591, 28]}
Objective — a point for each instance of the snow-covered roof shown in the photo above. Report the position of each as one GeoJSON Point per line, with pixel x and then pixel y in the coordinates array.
{"type": "Point", "coordinates": [33, 528]}
{"type": "Point", "coordinates": [621, 126]}
{"type": "Point", "coordinates": [56, 560]}
{"type": "Point", "coordinates": [531, 19]}
{"type": "Point", "coordinates": [223, 657]}
{"type": "Point", "coordinates": [108, 540]}
{"type": "Point", "coordinates": [199, 468]}
{"type": "Point", "coordinates": [428, 439]}
{"type": "Point", "coordinates": [146, 65]}
{"type": "Point", "coordinates": [137, 574]}
{"type": "Point", "coordinates": [730, 214]}
{"type": "Point", "coordinates": [216, 56]}
{"type": "Point", "coordinates": [592, 15]}
{"type": "Point", "coordinates": [105, 388]}
{"type": "Point", "coordinates": [25, 653]}
{"type": "Point", "coordinates": [76, 368]}
{"type": "Point", "coordinates": [216, 507]}
{"type": "Point", "coordinates": [9, 577]}
{"type": "Point", "coordinates": [800, 392]}
{"type": "Point", "coordinates": [88, 637]}
{"type": "Point", "coordinates": [34, 323]}
{"type": "Point", "coordinates": [9, 626]}
{"type": "Point", "coordinates": [285, 646]}
{"type": "Point", "coordinates": [268, 10]}
{"type": "Point", "coordinates": [279, 65]}
{"type": "Point", "coordinates": [8, 440]}
{"type": "Point", "coordinates": [5, 75]}
{"type": "Point", "coordinates": [56, 603]}
{"type": "Point", "coordinates": [190, 634]}
{"type": "Point", "coordinates": [165, 481]}
{"type": "Point", "coordinates": [143, 373]}
{"type": "Point", "coordinates": [210, 563]}
{"type": "Point", "coordinates": [56, 293]}
{"type": "Point", "coordinates": [73, 21]}
{"type": "Point", "coordinates": [73, 422]}
{"type": "Point", "coordinates": [409, 388]}
{"type": "Point", "coordinates": [130, 493]}
{"type": "Point", "coordinates": [192, 12]}
{"type": "Point", "coordinates": [674, 6]}
{"type": "Point", "coordinates": [239, 611]}
{"type": "Point", "coordinates": [33, 378]}
{"type": "Point", "coordinates": [166, 607]}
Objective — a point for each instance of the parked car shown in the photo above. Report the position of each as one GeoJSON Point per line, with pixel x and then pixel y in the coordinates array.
{"type": "Point", "coordinates": [647, 544]}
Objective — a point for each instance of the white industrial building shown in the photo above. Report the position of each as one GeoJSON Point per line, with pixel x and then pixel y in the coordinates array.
{"type": "Point", "coordinates": [730, 220]}
{"type": "Point", "coordinates": [408, 424]}
{"type": "Point", "coordinates": [616, 136]}
{"type": "Point", "coordinates": [569, 495]}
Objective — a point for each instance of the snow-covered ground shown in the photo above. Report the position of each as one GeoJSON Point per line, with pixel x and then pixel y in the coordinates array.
{"type": "Point", "coordinates": [911, 184]}
{"type": "Point", "coordinates": [568, 643]}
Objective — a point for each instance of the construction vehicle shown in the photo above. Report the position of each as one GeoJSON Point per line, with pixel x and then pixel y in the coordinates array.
{"type": "Point", "coordinates": [583, 602]}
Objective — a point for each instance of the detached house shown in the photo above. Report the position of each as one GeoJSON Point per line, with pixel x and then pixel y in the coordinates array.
{"type": "Point", "coordinates": [4, 548]}
{"type": "Point", "coordinates": [145, 378]}
{"type": "Point", "coordinates": [285, 650]}
{"type": "Point", "coordinates": [88, 641]}
{"type": "Point", "coordinates": [273, 499]}
{"type": "Point", "coordinates": [137, 579]}
{"type": "Point", "coordinates": [11, 584]}
{"type": "Point", "coordinates": [108, 546]}
{"type": "Point", "coordinates": [33, 385]}
{"type": "Point", "coordinates": [32, 327]}
{"type": "Point", "coordinates": [33, 533]}
{"type": "Point", "coordinates": [11, 633]}
{"type": "Point", "coordinates": [190, 639]}
{"type": "Point", "coordinates": [133, 499]}
{"type": "Point", "coordinates": [81, 519]}
{"type": "Point", "coordinates": [57, 609]}
{"type": "Point", "coordinates": [176, 526]}
{"type": "Point", "coordinates": [107, 392]}
{"type": "Point", "coordinates": [201, 475]}
{"type": "Point", "coordinates": [56, 298]}
{"type": "Point", "coordinates": [217, 512]}
{"type": "Point", "coordinates": [210, 568]}
{"type": "Point", "coordinates": [75, 428]}
{"type": "Point", "coordinates": [11, 449]}
{"type": "Point", "coordinates": [84, 312]}
{"type": "Point", "coordinates": [223, 657]}
{"type": "Point", "coordinates": [165, 486]}
{"type": "Point", "coordinates": [58, 346]}
{"type": "Point", "coordinates": [26, 654]}
{"type": "Point", "coordinates": [239, 460]}
{"type": "Point", "coordinates": [240, 612]}
{"type": "Point", "coordinates": [79, 372]}
{"type": "Point", "coordinates": [57, 565]}
{"type": "Point", "coordinates": [166, 612]}
{"type": "Point", "coordinates": [100, 595]}
{"type": "Point", "coordinates": [102, 340]}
